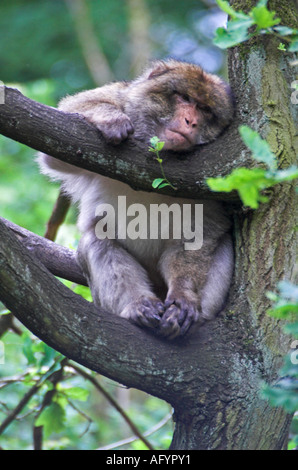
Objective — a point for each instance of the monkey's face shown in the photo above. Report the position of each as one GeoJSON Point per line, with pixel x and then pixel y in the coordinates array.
{"type": "Point", "coordinates": [179, 103]}
{"type": "Point", "coordinates": [185, 128]}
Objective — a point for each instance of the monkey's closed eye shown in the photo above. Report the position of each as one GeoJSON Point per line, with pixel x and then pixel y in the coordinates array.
{"type": "Point", "coordinates": [185, 98]}
{"type": "Point", "coordinates": [181, 96]}
{"type": "Point", "coordinates": [206, 110]}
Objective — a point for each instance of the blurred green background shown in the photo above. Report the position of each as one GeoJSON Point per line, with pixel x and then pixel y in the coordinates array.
{"type": "Point", "coordinates": [49, 48]}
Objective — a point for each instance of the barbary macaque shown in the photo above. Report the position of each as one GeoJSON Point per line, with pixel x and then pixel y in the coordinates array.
{"type": "Point", "coordinates": [154, 282]}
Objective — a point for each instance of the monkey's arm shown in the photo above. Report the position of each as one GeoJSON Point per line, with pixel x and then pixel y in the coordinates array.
{"type": "Point", "coordinates": [103, 107]}
{"type": "Point", "coordinates": [118, 282]}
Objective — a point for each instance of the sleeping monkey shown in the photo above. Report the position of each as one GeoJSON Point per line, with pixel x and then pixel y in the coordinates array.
{"type": "Point", "coordinates": [153, 282]}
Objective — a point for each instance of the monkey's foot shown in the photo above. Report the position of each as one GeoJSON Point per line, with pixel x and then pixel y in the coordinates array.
{"type": "Point", "coordinates": [145, 311]}
{"type": "Point", "coordinates": [180, 314]}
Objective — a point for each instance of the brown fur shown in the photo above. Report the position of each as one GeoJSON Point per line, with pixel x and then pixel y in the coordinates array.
{"type": "Point", "coordinates": [184, 106]}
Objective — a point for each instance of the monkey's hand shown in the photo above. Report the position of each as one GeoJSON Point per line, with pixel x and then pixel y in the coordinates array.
{"type": "Point", "coordinates": [115, 126]}
{"type": "Point", "coordinates": [145, 311]}
{"type": "Point", "coordinates": [181, 312]}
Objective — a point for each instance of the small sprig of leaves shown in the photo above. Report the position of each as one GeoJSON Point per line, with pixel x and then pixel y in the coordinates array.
{"type": "Point", "coordinates": [156, 147]}
{"type": "Point", "coordinates": [250, 182]}
{"type": "Point", "coordinates": [263, 20]}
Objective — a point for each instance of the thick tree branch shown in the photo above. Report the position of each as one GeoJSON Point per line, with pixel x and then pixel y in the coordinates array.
{"type": "Point", "coordinates": [80, 331]}
{"type": "Point", "coordinates": [70, 138]}
{"type": "Point", "coordinates": [184, 373]}
{"type": "Point", "coordinates": [59, 260]}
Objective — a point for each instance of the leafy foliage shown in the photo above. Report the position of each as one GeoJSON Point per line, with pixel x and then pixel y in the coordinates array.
{"type": "Point", "coordinates": [52, 49]}
{"type": "Point", "coordinates": [285, 392]}
{"type": "Point", "coordinates": [250, 182]}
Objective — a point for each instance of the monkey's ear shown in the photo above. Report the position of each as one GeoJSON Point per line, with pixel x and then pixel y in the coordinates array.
{"type": "Point", "coordinates": [160, 68]}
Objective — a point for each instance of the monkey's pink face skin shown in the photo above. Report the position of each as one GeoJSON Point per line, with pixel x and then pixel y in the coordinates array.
{"type": "Point", "coordinates": [175, 140]}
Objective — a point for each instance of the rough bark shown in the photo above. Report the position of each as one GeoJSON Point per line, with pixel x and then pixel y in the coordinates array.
{"type": "Point", "coordinates": [212, 378]}
{"type": "Point", "coordinates": [59, 260]}
{"type": "Point", "coordinates": [70, 138]}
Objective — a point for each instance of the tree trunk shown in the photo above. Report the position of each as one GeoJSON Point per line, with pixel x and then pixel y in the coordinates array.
{"type": "Point", "coordinates": [248, 345]}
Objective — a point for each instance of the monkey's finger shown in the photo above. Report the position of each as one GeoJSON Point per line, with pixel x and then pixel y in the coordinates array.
{"type": "Point", "coordinates": [182, 315]}
{"type": "Point", "coordinates": [149, 313]}
{"type": "Point", "coordinates": [148, 321]}
{"type": "Point", "coordinates": [145, 312]}
{"type": "Point", "coordinates": [149, 316]}
{"type": "Point", "coordinates": [182, 308]}
{"type": "Point", "coordinates": [115, 131]}
{"type": "Point", "coordinates": [169, 326]}
{"type": "Point", "coordinates": [191, 318]}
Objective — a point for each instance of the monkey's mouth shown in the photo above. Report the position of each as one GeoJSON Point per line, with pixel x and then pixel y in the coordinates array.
{"type": "Point", "coordinates": [176, 140]}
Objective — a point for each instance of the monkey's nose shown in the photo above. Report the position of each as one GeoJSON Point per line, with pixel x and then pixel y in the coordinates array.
{"type": "Point", "coordinates": [191, 122]}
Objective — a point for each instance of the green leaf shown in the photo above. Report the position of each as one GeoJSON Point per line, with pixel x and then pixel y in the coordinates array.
{"type": "Point", "coordinates": [52, 418]}
{"type": "Point", "coordinates": [263, 18]}
{"type": "Point", "coordinates": [240, 24]}
{"type": "Point", "coordinates": [281, 47]}
{"type": "Point", "coordinates": [284, 30]}
{"type": "Point", "coordinates": [290, 367]}
{"type": "Point", "coordinates": [160, 146]}
{"type": "Point", "coordinates": [49, 354]}
{"type": "Point", "coordinates": [157, 145]}
{"type": "Point", "coordinates": [83, 291]}
{"type": "Point", "coordinates": [28, 348]}
{"type": "Point", "coordinates": [262, 3]}
{"type": "Point", "coordinates": [225, 38]}
{"type": "Point", "coordinates": [248, 182]}
{"type": "Point", "coordinates": [157, 182]}
{"type": "Point", "coordinates": [284, 395]}
{"type": "Point", "coordinates": [286, 302]}
{"type": "Point", "coordinates": [272, 296]}
{"type": "Point", "coordinates": [76, 393]}
{"type": "Point", "coordinates": [154, 140]}
{"type": "Point", "coordinates": [4, 312]}
{"type": "Point", "coordinates": [283, 311]}
{"type": "Point", "coordinates": [294, 45]}
{"type": "Point", "coordinates": [259, 147]}
{"type": "Point", "coordinates": [292, 329]}
{"type": "Point", "coordinates": [226, 7]}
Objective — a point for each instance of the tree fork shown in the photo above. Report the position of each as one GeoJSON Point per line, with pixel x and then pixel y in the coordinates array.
{"type": "Point", "coordinates": [213, 377]}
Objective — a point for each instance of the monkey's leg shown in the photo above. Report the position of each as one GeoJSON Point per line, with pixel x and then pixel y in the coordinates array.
{"type": "Point", "coordinates": [198, 282]}
{"type": "Point", "coordinates": [118, 282]}
{"type": "Point", "coordinates": [219, 279]}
